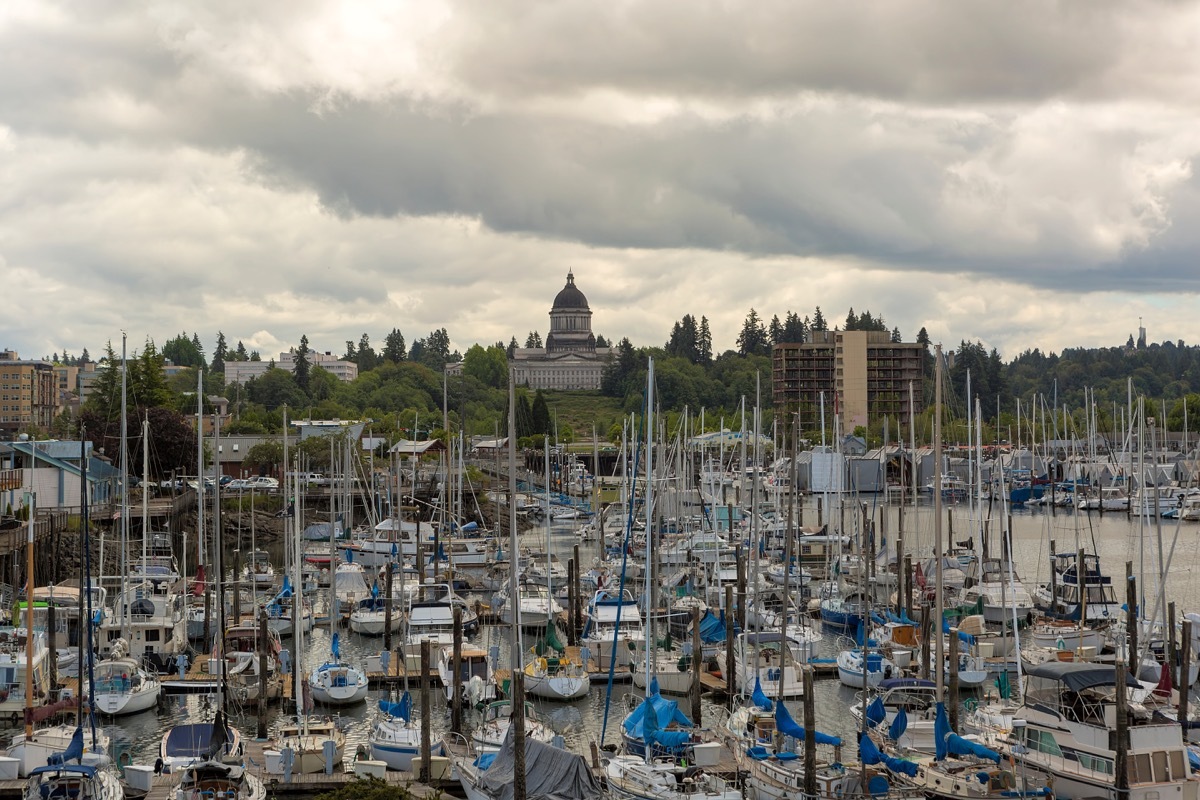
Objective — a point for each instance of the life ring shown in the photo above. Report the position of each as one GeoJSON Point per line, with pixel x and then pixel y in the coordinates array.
{"type": "Point", "coordinates": [125, 759]}
{"type": "Point", "coordinates": [971, 704]}
{"type": "Point", "coordinates": [541, 664]}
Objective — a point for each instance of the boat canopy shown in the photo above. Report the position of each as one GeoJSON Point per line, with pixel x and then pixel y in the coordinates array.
{"type": "Point", "coordinates": [1078, 676]}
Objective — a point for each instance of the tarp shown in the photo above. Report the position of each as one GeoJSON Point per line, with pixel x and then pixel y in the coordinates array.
{"type": "Point", "coordinates": [965, 638]}
{"type": "Point", "coordinates": [550, 773]}
{"type": "Point", "coordinates": [672, 740]}
{"type": "Point", "coordinates": [871, 754]}
{"type": "Point", "coordinates": [712, 627]}
{"type": "Point", "coordinates": [787, 726]}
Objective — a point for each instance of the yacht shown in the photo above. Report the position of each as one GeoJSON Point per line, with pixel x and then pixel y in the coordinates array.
{"type": "Point", "coordinates": [999, 596]}
{"type": "Point", "coordinates": [74, 781]}
{"type": "Point", "coordinates": [259, 570]}
{"type": "Point", "coordinates": [191, 742]}
{"type": "Point", "coordinates": [1070, 708]}
{"type": "Point", "coordinates": [13, 667]}
{"type": "Point", "coordinates": [602, 635]}
{"type": "Point", "coordinates": [1061, 598]}
{"type": "Point", "coordinates": [556, 678]}
{"type": "Point", "coordinates": [537, 608]}
{"type": "Point", "coordinates": [370, 618]}
{"type": "Point", "coordinates": [242, 655]}
{"type": "Point", "coordinates": [497, 718]}
{"type": "Point", "coordinates": [350, 586]}
{"type": "Point", "coordinates": [395, 737]}
{"type": "Point", "coordinates": [475, 672]}
{"type": "Point", "coordinates": [150, 617]}
{"type": "Point", "coordinates": [307, 741]}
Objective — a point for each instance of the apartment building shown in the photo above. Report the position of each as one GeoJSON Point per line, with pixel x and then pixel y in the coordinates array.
{"type": "Point", "coordinates": [28, 393]}
{"type": "Point", "coordinates": [864, 375]}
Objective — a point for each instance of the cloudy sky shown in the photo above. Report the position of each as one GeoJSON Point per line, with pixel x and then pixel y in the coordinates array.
{"type": "Point", "coordinates": [1016, 172]}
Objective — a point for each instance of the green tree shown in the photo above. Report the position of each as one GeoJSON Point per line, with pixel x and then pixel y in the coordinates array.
{"type": "Point", "coordinates": [704, 351]}
{"type": "Point", "coordinates": [489, 365]}
{"type": "Point", "coordinates": [365, 357]}
{"type": "Point", "coordinates": [818, 321]}
{"type": "Point", "coordinates": [540, 414]}
{"type": "Point", "coordinates": [147, 381]}
{"type": "Point", "coordinates": [753, 338]}
{"type": "Point", "coordinates": [300, 365]}
{"type": "Point", "coordinates": [274, 388]}
{"type": "Point", "coordinates": [533, 340]}
{"type": "Point", "coordinates": [219, 353]}
{"type": "Point", "coordinates": [393, 347]}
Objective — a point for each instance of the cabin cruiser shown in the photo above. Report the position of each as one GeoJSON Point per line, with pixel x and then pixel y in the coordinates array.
{"type": "Point", "coordinates": [150, 618]}
{"type": "Point", "coordinates": [606, 636]}
{"type": "Point", "coordinates": [1071, 708]}
{"type": "Point", "coordinates": [1061, 598]}
{"type": "Point", "coordinates": [1000, 597]}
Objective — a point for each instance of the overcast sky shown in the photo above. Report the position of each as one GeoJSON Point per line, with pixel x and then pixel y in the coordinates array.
{"type": "Point", "coordinates": [1015, 172]}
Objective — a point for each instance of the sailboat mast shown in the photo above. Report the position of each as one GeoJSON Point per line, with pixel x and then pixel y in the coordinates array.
{"type": "Point", "coordinates": [30, 500]}
{"type": "Point", "coordinates": [514, 652]}
{"type": "Point", "coordinates": [145, 494]}
{"type": "Point", "coordinates": [201, 530]}
{"type": "Point", "coordinates": [650, 583]}
{"type": "Point", "coordinates": [938, 638]}
{"type": "Point", "coordinates": [124, 493]}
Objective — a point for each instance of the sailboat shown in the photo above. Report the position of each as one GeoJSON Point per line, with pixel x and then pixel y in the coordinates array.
{"type": "Point", "coordinates": [34, 748]}
{"type": "Point", "coordinates": [78, 781]}
{"type": "Point", "coordinates": [212, 776]}
{"type": "Point", "coordinates": [310, 741]}
{"type": "Point", "coordinates": [395, 737]}
{"type": "Point", "coordinates": [122, 685]}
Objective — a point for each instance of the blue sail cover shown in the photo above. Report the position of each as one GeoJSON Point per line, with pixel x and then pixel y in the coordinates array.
{"type": "Point", "coordinates": [349, 556]}
{"type": "Point", "coordinates": [899, 725]}
{"type": "Point", "coordinates": [664, 710]}
{"type": "Point", "coordinates": [654, 735]}
{"type": "Point", "coordinates": [947, 742]}
{"type": "Point", "coordinates": [74, 751]}
{"type": "Point", "coordinates": [871, 754]}
{"type": "Point", "coordinates": [335, 648]}
{"type": "Point", "coordinates": [965, 638]}
{"type": "Point", "coordinates": [759, 698]}
{"type": "Point", "coordinates": [401, 710]}
{"type": "Point", "coordinates": [787, 726]}
{"type": "Point", "coordinates": [876, 713]}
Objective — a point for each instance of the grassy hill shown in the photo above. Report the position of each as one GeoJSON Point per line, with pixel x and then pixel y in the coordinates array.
{"type": "Point", "coordinates": [580, 411]}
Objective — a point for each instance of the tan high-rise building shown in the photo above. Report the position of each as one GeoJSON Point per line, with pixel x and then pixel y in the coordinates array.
{"type": "Point", "coordinates": [864, 374]}
{"type": "Point", "coordinates": [28, 393]}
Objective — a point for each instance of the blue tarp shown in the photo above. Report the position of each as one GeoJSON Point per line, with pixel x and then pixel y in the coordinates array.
{"type": "Point", "coordinates": [870, 754]}
{"type": "Point", "coordinates": [787, 726]}
{"type": "Point", "coordinates": [712, 627]}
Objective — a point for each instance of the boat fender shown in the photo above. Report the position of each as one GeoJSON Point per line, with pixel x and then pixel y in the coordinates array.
{"type": "Point", "coordinates": [1060, 644]}
{"type": "Point", "coordinates": [541, 664]}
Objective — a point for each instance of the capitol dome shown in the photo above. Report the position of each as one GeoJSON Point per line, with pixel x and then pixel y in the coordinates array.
{"type": "Point", "coordinates": [570, 296]}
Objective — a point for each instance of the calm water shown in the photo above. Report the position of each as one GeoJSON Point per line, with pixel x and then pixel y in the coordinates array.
{"type": "Point", "coordinates": [1115, 537]}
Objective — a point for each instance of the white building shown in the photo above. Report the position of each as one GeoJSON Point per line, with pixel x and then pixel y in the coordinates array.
{"type": "Point", "coordinates": [242, 371]}
{"type": "Point", "coordinates": [570, 359]}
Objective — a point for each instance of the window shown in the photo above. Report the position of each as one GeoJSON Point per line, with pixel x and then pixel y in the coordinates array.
{"type": "Point", "coordinates": [1042, 742]}
{"type": "Point", "coordinates": [1095, 763]}
{"type": "Point", "coordinates": [151, 635]}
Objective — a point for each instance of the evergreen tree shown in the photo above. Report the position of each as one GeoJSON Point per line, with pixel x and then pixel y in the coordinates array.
{"type": "Point", "coordinates": [704, 352]}
{"type": "Point", "coordinates": [818, 321]}
{"type": "Point", "coordinates": [105, 397]}
{"type": "Point", "coordinates": [255, 356]}
{"type": "Point", "coordinates": [85, 357]}
{"type": "Point", "coordinates": [199, 350]}
{"type": "Point", "coordinates": [851, 321]}
{"type": "Point", "coordinates": [219, 353]}
{"type": "Point", "coordinates": [393, 347]}
{"type": "Point", "coordinates": [533, 340]}
{"type": "Point", "coordinates": [351, 354]}
{"type": "Point", "coordinates": [147, 383]}
{"type": "Point", "coordinates": [896, 336]}
{"type": "Point", "coordinates": [752, 341]}
{"type": "Point", "coordinates": [512, 348]}
{"type": "Point", "coordinates": [366, 358]}
{"type": "Point", "coordinates": [923, 337]}
{"type": "Point", "coordinates": [301, 367]}
{"type": "Point", "coordinates": [240, 353]}
{"type": "Point", "coordinates": [540, 414]}
{"type": "Point", "coordinates": [775, 330]}
{"type": "Point", "coordinates": [601, 341]}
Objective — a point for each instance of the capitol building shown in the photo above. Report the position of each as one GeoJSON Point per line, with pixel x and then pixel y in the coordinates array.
{"type": "Point", "coordinates": [570, 359]}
